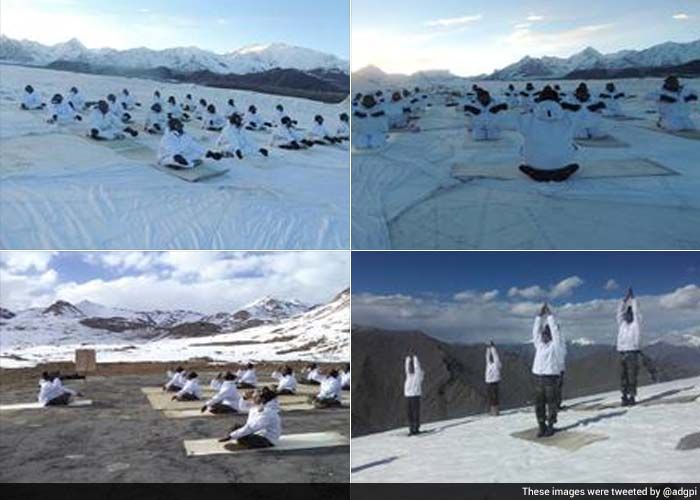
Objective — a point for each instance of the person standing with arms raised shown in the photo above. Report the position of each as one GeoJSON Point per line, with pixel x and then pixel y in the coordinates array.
{"type": "Point", "coordinates": [412, 391]}
{"type": "Point", "coordinates": [628, 345]}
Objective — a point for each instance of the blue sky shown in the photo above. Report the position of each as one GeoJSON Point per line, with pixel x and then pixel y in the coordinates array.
{"type": "Point", "coordinates": [463, 296]}
{"type": "Point", "coordinates": [471, 37]}
{"type": "Point", "coordinates": [217, 25]}
{"type": "Point", "coordinates": [202, 281]}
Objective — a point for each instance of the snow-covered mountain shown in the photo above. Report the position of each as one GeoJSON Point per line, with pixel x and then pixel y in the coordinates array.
{"type": "Point", "coordinates": [372, 78]}
{"type": "Point", "coordinates": [251, 59]}
{"type": "Point", "coordinates": [270, 329]}
{"type": "Point", "coordinates": [665, 54]}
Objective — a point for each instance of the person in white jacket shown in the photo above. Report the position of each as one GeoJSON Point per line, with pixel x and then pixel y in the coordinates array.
{"type": "Point", "coordinates": [263, 427]}
{"type": "Point", "coordinates": [127, 101]}
{"type": "Point", "coordinates": [227, 399]}
{"type": "Point", "coordinates": [369, 125]}
{"type": "Point", "coordinates": [75, 99]}
{"type": "Point", "coordinates": [253, 120]}
{"type": "Point", "coordinates": [412, 390]}
{"type": "Point", "coordinates": [189, 104]}
{"type": "Point", "coordinates": [234, 140]}
{"type": "Point", "coordinates": [62, 112]}
{"type": "Point", "coordinates": [105, 126]}
{"type": "Point", "coordinates": [176, 380]}
{"type": "Point", "coordinates": [587, 114]}
{"type": "Point", "coordinates": [52, 392]}
{"type": "Point", "coordinates": [329, 393]}
{"type": "Point", "coordinates": [217, 381]}
{"type": "Point", "coordinates": [612, 98]}
{"type": "Point", "coordinates": [212, 120]}
{"type": "Point", "coordinates": [118, 109]}
{"type": "Point", "coordinates": [548, 146]}
{"type": "Point", "coordinates": [230, 108]}
{"type": "Point", "coordinates": [629, 333]}
{"type": "Point", "coordinates": [191, 391]}
{"type": "Point", "coordinates": [398, 112]}
{"type": "Point", "coordinates": [174, 110]}
{"type": "Point", "coordinates": [31, 99]}
{"type": "Point", "coordinates": [155, 120]}
{"type": "Point", "coordinates": [200, 109]}
{"type": "Point", "coordinates": [674, 101]}
{"type": "Point", "coordinates": [343, 130]}
{"type": "Point", "coordinates": [287, 382]}
{"type": "Point", "coordinates": [345, 377]}
{"type": "Point", "coordinates": [248, 378]}
{"type": "Point", "coordinates": [178, 149]}
{"type": "Point", "coordinates": [546, 368]}
{"type": "Point", "coordinates": [319, 134]}
{"type": "Point", "coordinates": [484, 111]}
{"type": "Point", "coordinates": [312, 375]}
{"type": "Point", "coordinates": [492, 377]}
{"type": "Point", "coordinates": [286, 137]}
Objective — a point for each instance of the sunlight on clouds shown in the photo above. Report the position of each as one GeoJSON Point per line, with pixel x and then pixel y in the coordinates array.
{"type": "Point", "coordinates": [681, 16]}
{"type": "Point", "coordinates": [561, 43]}
{"type": "Point", "coordinates": [454, 21]}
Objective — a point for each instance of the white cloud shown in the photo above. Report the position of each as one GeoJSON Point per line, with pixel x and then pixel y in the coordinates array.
{"type": "Point", "coordinates": [534, 18]}
{"type": "Point", "coordinates": [681, 16]}
{"type": "Point", "coordinates": [611, 285]}
{"type": "Point", "coordinates": [687, 297]}
{"type": "Point", "coordinates": [565, 287]}
{"type": "Point", "coordinates": [530, 41]}
{"type": "Point", "coordinates": [471, 295]}
{"type": "Point", "coordinates": [454, 21]}
{"type": "Point", "coordinates": [530, 292]}
{"type": "Point", "coordinates": [25, 260]}
{"type": "Point", "coordinates": [562, 289]}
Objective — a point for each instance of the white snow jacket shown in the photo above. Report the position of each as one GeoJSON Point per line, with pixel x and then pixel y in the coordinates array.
{"type": "Point", "coordinates": [345, 379]}
{"type": "Point", "coordinates": [108, 126]}
{"type": "Point", "coordinates": [177, 379]}
{"type": "Point", "coordinates": [213, 121]}
{"type": "Point", "coordinates": [233, 138]}
{"type": "Point", "coordinates": [154, 118]}
{"type": "Point", "coordinates": [184, 145]}
{"type": "Point", "coordinates": [248, 377]}
{"type": "Point", "coordinates": [675, 115]}
{"type": "Point", "coordinates": [330, 389]}
{"type": "Point", "coordinates": [369, 128]}
{"type": "Point", "coordinates": [173, 111]}
{"type": "Point", "coordinates": [76, 100]}
{"type": "Point", "coordinates": [493, 369]}
{"type": "Point", "coordinates": [49, 390]}
{"type": "Point", "coordinates": [191, 387]}
{"type": "Point", "coordinates": [263, 421]}
{"type": "Point", "coordinates": [628, 334]}
{"type": "Point", "coordinates": [31, 101]}
{"type": "Point", "coordinates": [63, 112]}
{"type": "Point", "coordinates": [398, 112]}
{"type": "Point", "coordinates": [314, 376]}
{"type": "Point", "coordinates": [548, 355]}
{"type": "Point", "coordinates": [414, 381]}
{"type": "Point", "coordinates": [288, 382]}
{"type": "Point", "coordinates": [229, 110]}
{"type": "Point", "coordinates": [548, 136]}
{"type": "Point", "coordinates": [227, 395]}
{"type": "Point", "coordinates": [587, 123]}
{"type": "Point", "coordinates": [343, 130]}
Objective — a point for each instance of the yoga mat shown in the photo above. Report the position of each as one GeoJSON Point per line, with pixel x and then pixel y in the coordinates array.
{"type": "Point", "coordinates": [685, 134]}
{"type": "Point", "coordinates": [196, 413]}
{"type": "Point", "coordinates": [633, 167]}
{"type": "Point", "coordinates": [565, 440]}
{"type": "Point", "coordinates": [604, 142]}
{"type": "Point", "coordinates": [37, 406]}
{"type": "Point", "coordinates": [308, 441]}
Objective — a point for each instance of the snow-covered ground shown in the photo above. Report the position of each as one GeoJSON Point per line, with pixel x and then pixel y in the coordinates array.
{"type": "Point", "coordinates": [640, 446]}
{"type": "Point", "coordinates": [321, 334]}
{"type": "Point", "coordinates": [404, 195]}
{"type": "Point", "coordinates": [59, 190]}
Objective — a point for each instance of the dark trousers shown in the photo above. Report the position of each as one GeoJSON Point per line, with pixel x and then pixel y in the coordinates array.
{"type": "Point", "coordinates": [560, 390]}
{"type": "Point", "coordinates": [629, 368]}
{"type": "Point", "coordinates": [61, 400]}
{"type": "Point", "coordinates": [546, 398]}
{"type": "Point", "coordinates": [220, 408]}
{"type": "Point", "coordinates": [245, 385]}
{"type": "Point", "coordinates": [326, 403]}
{"type": "Point", "coordinates": [255, 441]}
{"type": "Point", "coordinates": [286, 392]}
{"type": "Point", "coordinates": [492, 393]}
{"type": "Point", "coordinates": [413, 406]}
{"type": "Point", "coordinates": [187, 397]}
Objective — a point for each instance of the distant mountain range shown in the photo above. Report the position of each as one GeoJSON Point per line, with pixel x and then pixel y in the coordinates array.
{"type": "Point", "coordinates": [661, 60]}
{"type": "Point", "coordinates": [454, 374]}
{"type": "Point", "coordinates": [268, 328]}
{"type": "Point", "coordinates": [274, 68]}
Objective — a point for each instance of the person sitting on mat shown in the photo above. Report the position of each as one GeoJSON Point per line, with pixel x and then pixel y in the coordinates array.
{"type": "Point", "coordinates": [192, 391]}
{"type": "Point", "coordinates": [105, 126]}
{"type": "Point", "coordinates": [329, 394]}
{"type": "Point", "coordinates": [217, 381]}
{"type": "Point", "coordinates": [287, 383]}
{"type": "Point", "coordinates": [31, 99]}
{"type": "Point", "coordinates": [227, 399]}
{"type": "Point", "coordinates": [673, 102]}
{"type": "Point", "coordinates": [177, 381]}
{"type": "Point", "coordinates": [263, 427]}
{"type": "Point", "coordinates": [52, 392]}
{"type": "Point", "coordinates": [178, 149]}
{"type": "Point", "coordinates": [248, 379]}
{"type": "Point", "coordinates": [277, 373]}
{"type": "Point", "coordinates": [548, 147]}
{"type": "Point", "coordinates": [345, 377]}
{"type": "Point", "coordinates": [311, 375]}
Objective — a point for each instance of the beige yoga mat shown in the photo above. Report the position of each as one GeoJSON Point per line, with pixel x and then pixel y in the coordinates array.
{"type": "Point", "coordinates": [308, 441]}
{"type": "Point", "coordinates": [565, 440]}
{"type": "Point", "coordinates": [633, 167]}
{"type": "Point", "coordinates": [159, 390]}
{"type": "Point", "coordinates": [37, 406]}
{"type": "Point", "coordinates": [163, 401]}
{"type": "Point", "coordinates": [196, 174]}
{"type": "Point", "coordinates": [604, 142]}
{"type": "Point", "coordinates": [197, 413]}
{"type": "Point", "coordinates": [685, 134]}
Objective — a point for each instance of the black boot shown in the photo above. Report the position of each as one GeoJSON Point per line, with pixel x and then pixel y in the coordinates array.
{"type": "Point", "coordinates": [542, 429]}
{"type": "Point", "coordinates": [631, 401]}
{"type": "Point", "coordinates": [179, 159]}
{"type": "Point", "coordinates": [264, 152]}
{"type": "Point", "coordinates": [624, 401]}
{"type": "Point", "coordinates": [239, 154]}
{"type": "Point", "coordinates": [549, 430]}
{"type": "Point", "coordinates": [214, 155]}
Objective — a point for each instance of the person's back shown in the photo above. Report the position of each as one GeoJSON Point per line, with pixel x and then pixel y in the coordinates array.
{"type": "Point", "coordinates": [288, 383]}
{"type": "Point", "coordinates": [49, 390]}
{"type": "Point", "coordinates": [548, 354]}
{"type": "Point", "coordinates": [629, 332]}
{"type": "Point", "coordinates": [414, 377]}
{"type": "Point", "coordinates": [330, 388]}
{"type": "Point", "coordinates": [493, 366]}
{"type": "Point", "coordinates": [228, 394]}
{"type": "Point", "coordinates": [548, 136]}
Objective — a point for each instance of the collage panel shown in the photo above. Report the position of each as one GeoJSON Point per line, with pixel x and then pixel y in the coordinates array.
{"type": "Point", "coordinates": [525, 125]}
{"type": "Point", "coordinates": [525, 367]}
{"type": "Point", "coordinates": [168, 125]}
{"type": "Point", "coordinates": [175, 367]}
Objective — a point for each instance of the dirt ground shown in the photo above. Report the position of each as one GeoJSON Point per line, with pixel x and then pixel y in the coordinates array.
{"type": "Point", "coordinates": [120, 438]}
